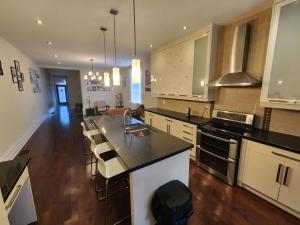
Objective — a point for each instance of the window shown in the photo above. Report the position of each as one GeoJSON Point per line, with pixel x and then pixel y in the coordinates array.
{"type": "Point", "coordinates": [136, 93]}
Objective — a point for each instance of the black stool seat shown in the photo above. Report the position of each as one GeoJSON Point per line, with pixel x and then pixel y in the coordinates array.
{"type": "Point", "coordinates": [172, 204]}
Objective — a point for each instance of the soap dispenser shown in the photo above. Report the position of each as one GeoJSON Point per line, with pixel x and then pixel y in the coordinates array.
{"type": "Point", "coordinates": [188, 113]}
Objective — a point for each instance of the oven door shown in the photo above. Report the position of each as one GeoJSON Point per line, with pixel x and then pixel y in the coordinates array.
{"type": "Point", "coordinates": [217, 144]}
{"type": "Point", "coordinates": [217, 155]}
{"type": "Point", "coordinates": [216, 165]}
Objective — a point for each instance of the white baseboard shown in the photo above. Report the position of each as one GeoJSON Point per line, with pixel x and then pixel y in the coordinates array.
{"type": "Point", "coordinates": [20, 143]}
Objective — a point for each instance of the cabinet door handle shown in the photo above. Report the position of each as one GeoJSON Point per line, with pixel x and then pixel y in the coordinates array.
{"type": "Point", "coordinates": [285, 156]}
{"type": "Point", "coordinates": [12, 200]}
{"type": "Point", "coordinates": [278, 177]}
{"type": "Point", "coordinates": [285, 180]}
{"type": "Point", "coordinates": [278, 100]}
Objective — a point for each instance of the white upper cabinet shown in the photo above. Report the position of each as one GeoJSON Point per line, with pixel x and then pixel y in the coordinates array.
{"type": "Point", "coordinates": [183, 68]}
{"type": "Point", "coordinates": [281, 78]}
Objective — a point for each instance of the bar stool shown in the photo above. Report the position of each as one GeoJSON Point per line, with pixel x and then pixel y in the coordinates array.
{"type": "Point", "coordinates": [87, 134]}
{"type": "Point", "coordinates": [108, 170]}
{"type": "Point", "coordinates": [96, 150]}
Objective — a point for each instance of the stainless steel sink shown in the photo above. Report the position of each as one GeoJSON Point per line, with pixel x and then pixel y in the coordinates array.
{"type": "Point", "coordinates": [139, 130]}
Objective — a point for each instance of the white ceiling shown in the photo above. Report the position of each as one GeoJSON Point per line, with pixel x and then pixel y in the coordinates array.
{"type": "Point", "coordinates": [73, 26]}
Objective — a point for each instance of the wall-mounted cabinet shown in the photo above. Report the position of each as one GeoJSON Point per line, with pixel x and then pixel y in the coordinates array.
{"type": "Point", "coordinates": [183, 68]}
{"type": "Point", "coordinates": [281, 78]}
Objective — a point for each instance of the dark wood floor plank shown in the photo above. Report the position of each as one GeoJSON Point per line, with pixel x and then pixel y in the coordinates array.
{"type": "Point", "coordinates": [64, 192]}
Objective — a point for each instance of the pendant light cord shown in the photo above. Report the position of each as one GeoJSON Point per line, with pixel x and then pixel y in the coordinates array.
{"type": "Point", "coordinates": [92, 65]}
{"type": "Point", "coordinates": [134, 28]}
{"type": "Point", "coordinates": [104, 43]}
{"type": "Point", "coordinates": [115, 40]}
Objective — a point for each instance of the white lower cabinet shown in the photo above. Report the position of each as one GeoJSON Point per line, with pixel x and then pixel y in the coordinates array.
{"type": "Point", "coordinates": [289, 191]}
{"type": "Point", "coordinates": [261, 171]}
{"type": "Point", "coordinates": [272, 172]}
{"type": "Point", "coordinates": [182, 130]}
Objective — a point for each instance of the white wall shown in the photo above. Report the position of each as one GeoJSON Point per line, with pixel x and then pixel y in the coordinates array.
{"type": "Point", "coordinates": [20, 112]}
{"type": "Point", "coordinates": [109, 96]}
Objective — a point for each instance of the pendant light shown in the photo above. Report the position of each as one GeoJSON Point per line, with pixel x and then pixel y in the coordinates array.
{"type": "Point", "coordinates": [91, 75]}
{"type": "Point", "coordinates": [106, 74]}
{"type": "Point", "coordinates": [135, 63]}
{"type": "Point", "coordinates": [115, 70]}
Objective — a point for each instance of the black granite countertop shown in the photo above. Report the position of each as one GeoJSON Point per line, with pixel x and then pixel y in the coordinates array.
{"type": "Point", "coordinates": [197, 120]}
{"type": "Point", "coordinates": [10, 171]}
{"type": "Point", "coordinates": [138, 152]}
{"type": "Point", "coordinates": [279, 140]}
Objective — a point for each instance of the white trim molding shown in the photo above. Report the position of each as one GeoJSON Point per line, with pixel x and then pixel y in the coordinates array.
{"type": "Point", "coordinates": [15, 148]}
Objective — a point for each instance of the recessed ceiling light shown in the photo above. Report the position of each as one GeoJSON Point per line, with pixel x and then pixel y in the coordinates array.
{"type": "Point", "coordinates": [55, 56]}
{"type": "Point", "coordinates": [39, 22]}
{"type": "Point", "coordinates": [184, 27]}
{"type": "Point", "coordinates": [58, 63]}
{"type": "Point", "coordinates": [49, 42]}
{"type": "Point", "coordinates": [151, 46]}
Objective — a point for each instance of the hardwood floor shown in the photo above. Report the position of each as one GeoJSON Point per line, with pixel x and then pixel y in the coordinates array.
{"type": "Point", "coordinates": [64, 192]}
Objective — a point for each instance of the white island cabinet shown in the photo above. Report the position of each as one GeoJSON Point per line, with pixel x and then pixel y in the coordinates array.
{"type": "Point", "coordinates": [183, 68]}
{"type": "Point", "coordinates": [177, 128]}
{"type": "Point", "coordinates": [281, 76]}
{"type": "Point", "coordinates": [272, 173]}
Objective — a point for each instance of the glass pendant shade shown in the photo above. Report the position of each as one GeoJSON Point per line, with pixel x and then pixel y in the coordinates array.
{"type": "Point", "coordinates": [100, 78]}
{"type": "Point", "coordinates": [135, 71]}
{"type": "Point", "coordinates": [86, 77]}
{"type": "Point", "coordinates": [116, 76]}
{"type": "Point", "coordinates": [106, 79]}
{"type": "Point", "coordinates": [90, 73]}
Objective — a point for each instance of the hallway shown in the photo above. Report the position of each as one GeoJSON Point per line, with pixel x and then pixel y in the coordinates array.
{"type": "Point", "coordinates": [64, 192]}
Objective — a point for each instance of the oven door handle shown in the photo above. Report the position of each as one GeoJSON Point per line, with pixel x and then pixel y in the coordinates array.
{"type": "Point", "coordinates": [212, 154]}
{"type": "Point", "coordinates": [230, 141]}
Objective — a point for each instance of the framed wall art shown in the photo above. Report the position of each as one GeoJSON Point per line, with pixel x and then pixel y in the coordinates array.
{"type": "Point", "coordinates": [17, 66]}
{"type": "Point", "coordinates": [20, 85]}
{"type": "Point", "coordinates": [147, 81]}
{"type": "Point", "coordinates": [1, 70]}
{"type": "Point", "coordinates": [14, 74]}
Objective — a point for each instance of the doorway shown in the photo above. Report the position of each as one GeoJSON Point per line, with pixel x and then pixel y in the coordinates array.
{"type": "Point", "coordinates": [61, 91]}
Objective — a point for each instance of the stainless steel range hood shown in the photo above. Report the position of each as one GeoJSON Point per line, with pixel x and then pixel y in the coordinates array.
{"type": "Point", "coordinates": [238, 77]}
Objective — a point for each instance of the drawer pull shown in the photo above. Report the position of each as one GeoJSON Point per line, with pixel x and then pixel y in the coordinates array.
{"type": "Point", "coordinates": [187, 132]}
{"type": "Point", "coordinates": [183, 95]}
{"type": "Point", "coordinates": [187, 126]}
{"type": "Point", "coordinates": [285, 156]}
{"type": "Point", "coordinates": [12, 200]}
{"type": "Point", "coordinates": [187, 139]}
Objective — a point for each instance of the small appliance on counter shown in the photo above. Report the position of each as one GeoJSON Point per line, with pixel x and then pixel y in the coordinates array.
{"type": "Point", "coordinates": [219, 141]}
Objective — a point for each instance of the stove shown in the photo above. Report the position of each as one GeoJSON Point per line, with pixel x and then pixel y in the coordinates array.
{"type": "Point", "coordinates": [219, 141]}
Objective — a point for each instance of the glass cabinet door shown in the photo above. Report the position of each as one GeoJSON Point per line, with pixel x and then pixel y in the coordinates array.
{"type": "Point", "coordinates": [200, 64]}
{"type": "Point", "coordinates": [284, 81]}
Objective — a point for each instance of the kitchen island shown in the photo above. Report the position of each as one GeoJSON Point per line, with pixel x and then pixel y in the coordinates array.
{"type": "Point", "coordinates": [152, 157]}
